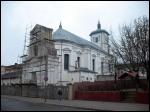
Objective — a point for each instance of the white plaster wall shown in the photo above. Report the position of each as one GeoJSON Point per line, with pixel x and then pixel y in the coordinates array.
{"type": "Point", "coordinates": [74, 51]}
{"type": "Point", "coordinates": [99, 39]}
{"type": "Point", "coordinates": [83, 76]}
{"type": "Point", "coordinates": [102, 37]}
{"type": "Point", "coordinates": [39, 67]}
{"type": "Point", "coordinates": [5, 81]}
{"type": "Point", "coordinates": [53, 71]}
{"type": "Point", "coordinates": [90, 76]}
{"type": "Point", "coordinates": [85, 56]}
{"type": "Point", "coordinates": [10, 81]}
{"type": "Point", "coordinates": [94, 56]}
{"type": "Point", "coordinates": [74, 76]}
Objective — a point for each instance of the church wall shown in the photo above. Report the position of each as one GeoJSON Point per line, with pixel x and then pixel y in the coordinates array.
{"type": "Point", "coordinates": [38, 66]}
{"type": "Point", "coordinates": [94, 56]}
{"type": "Point", "coordinates": [102, 40]}
{"type": "Point", "coordinates": [53, 70]}
{"type": "Point", "coordinates": [86, 56]}
{"type": "Point", "coordinates": [74, 77]}
{"type": "Point", "coordinates": [57, 73]}
{"type": "Point", "coordinates": [64, 49]}
{"type": "Point", "coordinates": [84, 76]}
{"type": "Point", "coordinates": [75, 51]}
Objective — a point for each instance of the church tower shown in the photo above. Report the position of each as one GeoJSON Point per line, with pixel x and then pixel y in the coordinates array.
{"type": "Point", "coordinates": [100, 37]}
{"type": "Point", "coordinates": [42, 61]}
{"type": "Point", "coordinates": [41, 43]}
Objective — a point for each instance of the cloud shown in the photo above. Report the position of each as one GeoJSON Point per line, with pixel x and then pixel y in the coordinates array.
{"type": "Point", "coordinates": [77, 17]}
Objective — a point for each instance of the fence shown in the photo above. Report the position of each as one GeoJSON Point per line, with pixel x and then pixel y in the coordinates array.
{"type": "Point", "coordinates": [100, 90]}
{"type": "Point", "coordinates": [108, 90]}
{"type": "Point", "coordinates": [110, 85]}
{"type": "Point", "coordinates": [142, 97]}
{"type": "Point", "coordinates": [98, 95]}
{"type": "Point", "coordinates": [35, 91]}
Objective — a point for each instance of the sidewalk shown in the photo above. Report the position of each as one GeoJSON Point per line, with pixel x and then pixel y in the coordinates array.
{"type": "Point", "coordinates": [96, 105]}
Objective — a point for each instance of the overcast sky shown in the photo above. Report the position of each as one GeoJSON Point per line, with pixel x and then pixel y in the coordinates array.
{"type": "Point", "coordinates": [79, 18]}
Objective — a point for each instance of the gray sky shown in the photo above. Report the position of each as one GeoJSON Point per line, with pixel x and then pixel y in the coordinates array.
{"type": "Point", "coordinates": [79, 18]}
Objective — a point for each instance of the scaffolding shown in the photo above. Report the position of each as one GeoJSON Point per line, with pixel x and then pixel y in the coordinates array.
{"type": "Point", "coordinates": [26, 43]}
{"type": "Point", "coordinates": [37, 33]}
{"type": "Point", "coordinates": [27, 39]}
{"type": "Point", "coordinates": [25, 48]}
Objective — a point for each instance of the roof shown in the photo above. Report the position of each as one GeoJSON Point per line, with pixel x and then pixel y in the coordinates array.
{"type": "Point", "coordinates": [15, 66]}
{"type": "Point", "coordinates": [11, 75]}
{"type": "Point", "coordinates": [99, 31]}
{"type": "Point", "coordinates": [129, 74]}
{"type": "Point", "coordinates": [39, 26]}
{"type": "Point", "coordinates": [62, 35]}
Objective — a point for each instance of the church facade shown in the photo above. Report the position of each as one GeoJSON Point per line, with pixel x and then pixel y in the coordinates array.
{"type": "Point", "coordinates": [70, 58]}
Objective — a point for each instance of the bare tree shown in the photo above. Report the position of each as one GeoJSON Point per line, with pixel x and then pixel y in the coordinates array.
{"type": "Point", "coordinates": [133, 47]}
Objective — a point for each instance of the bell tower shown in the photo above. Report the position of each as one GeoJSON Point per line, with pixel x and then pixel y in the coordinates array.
{"type": "Point", "coordinates": [42, 59]}
{"type": "Point", "coordinates": [100, 37]}
{"type": "Point", "coordinates": [41, 42]}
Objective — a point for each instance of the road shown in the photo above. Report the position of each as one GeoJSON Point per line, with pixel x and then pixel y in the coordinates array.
{"type": "Point", "coordinates": [10, 104]}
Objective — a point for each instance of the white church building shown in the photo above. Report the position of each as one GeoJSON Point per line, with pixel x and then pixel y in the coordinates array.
{"type": "Point", "coordinates": [63, 57]}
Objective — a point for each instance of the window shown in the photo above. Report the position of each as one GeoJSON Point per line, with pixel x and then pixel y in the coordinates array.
{"type": "Point", "coordinates": [34, 76]}
{"type": "Point", "coordinates": [93, 63]}
{"type": "Point", "coordinates": [86, 78]}
{"type": "Point", "coordinates": [35, 50]}
{"type": "Point", "coordinates": [109, 66]}
{"type": "Point", "coordinates": [78, 59]}
{"type": "Point", "coordinates": [96, 39]}
{"type": "Point", "coordinates": [66, 61]}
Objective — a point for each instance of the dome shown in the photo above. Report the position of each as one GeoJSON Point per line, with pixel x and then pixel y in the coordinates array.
{"type": "Point", "coordinates": [99, 30]}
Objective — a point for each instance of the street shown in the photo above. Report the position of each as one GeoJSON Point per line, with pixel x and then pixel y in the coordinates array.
{"type": "Point", "coordinates": [9, 104]}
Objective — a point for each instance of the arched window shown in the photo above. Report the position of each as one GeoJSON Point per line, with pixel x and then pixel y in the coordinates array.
{"type": "Point", "coordinates": [66, 61]}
